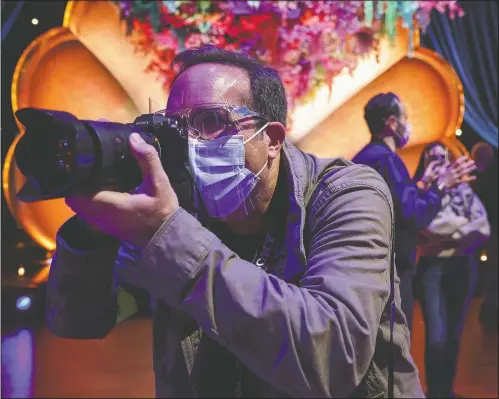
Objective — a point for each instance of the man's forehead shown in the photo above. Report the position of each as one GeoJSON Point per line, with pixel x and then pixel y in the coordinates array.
{"type": "Point", "coordinates": [438, 149]}
{"type": "Point", "coordinates": [209, 83]}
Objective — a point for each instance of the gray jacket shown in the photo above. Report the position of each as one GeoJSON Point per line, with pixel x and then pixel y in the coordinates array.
{"type": "Point", "coordinates": [315, 324]}
{"type": "Point", "coordinates": [459, 228]}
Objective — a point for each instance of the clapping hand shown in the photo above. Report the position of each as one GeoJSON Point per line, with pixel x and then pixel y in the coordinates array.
{"type": "Point", "coordinates": [431, 173]}
{"type": "Point", "coordinates": [450, 175]}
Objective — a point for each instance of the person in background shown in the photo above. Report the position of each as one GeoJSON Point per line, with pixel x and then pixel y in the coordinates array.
{"type": "Point", "coordinates": [486, 161]}
{"type": "Point", "coordinates": [447, 272]}
{"type": "Point", "coordinates": [416, 203]}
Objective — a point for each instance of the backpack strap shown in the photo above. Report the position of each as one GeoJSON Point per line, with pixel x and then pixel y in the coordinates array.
{"type": "Point", "coordinates": [391, 351]}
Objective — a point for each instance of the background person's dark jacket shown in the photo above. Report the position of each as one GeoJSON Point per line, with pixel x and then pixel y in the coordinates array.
{"type": "Point", "coordinates": [414, 208]}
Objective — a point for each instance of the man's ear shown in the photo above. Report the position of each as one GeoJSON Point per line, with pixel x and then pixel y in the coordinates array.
{"type": "Point", "coordinates": [276, 132]}
{"type": "Point", "coordinates": [391, 122]}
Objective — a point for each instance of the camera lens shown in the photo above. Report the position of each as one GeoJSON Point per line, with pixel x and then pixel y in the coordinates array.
{"type": "Point", "coordinates": [61, 155]}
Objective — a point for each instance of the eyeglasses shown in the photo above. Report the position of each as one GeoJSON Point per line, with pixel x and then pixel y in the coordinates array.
{"type": "Point", "coordinates": [212, 120]}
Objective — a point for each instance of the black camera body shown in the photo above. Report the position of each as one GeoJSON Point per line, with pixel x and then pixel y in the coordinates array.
{"type": "Point", "coordinates": [61, 155]}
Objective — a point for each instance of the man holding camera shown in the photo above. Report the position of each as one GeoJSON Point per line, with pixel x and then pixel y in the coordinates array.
{"type": "Point", "coordinates": [416, 203]}
{"type": "Point", "coordinates": [282, 290]}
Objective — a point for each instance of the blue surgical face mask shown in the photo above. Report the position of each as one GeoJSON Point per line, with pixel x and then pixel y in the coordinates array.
{"type": "Point", "coordinates": [220, 175]}
{"type": "Point", "coordinates": [402, 134]}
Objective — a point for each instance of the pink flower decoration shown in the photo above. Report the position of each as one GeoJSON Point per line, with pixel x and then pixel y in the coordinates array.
{"type": "Point", "coordinates": [298, 38]}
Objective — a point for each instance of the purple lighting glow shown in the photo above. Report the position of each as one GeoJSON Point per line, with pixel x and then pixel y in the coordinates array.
{"type": "Point", "coordinates": [17, 365]}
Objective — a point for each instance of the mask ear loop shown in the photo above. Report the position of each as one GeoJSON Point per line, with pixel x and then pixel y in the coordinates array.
{"type": "Point", "coordinates": [259, 172]}
{"type": "Point", "coordinates": [249, 199]}
{"type": "Point", "coordinates": [251, 138]}
{"type": "Point", "coordinates": [256, 133]}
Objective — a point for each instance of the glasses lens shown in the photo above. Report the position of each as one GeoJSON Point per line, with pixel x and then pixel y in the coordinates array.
{"type": "Point", "coordinates": [209, 122]}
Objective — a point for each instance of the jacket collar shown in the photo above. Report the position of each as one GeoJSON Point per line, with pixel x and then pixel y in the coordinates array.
{"type": "Point", "coordinates": [380, 142]}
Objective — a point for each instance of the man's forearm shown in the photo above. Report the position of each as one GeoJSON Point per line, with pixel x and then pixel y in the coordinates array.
{"type": "Point", "coordinates": [81, 302]}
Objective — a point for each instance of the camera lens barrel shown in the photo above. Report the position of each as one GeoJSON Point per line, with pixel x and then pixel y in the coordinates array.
{"type": "Point", "coordinates": [116, 167]}
{"type": "Point", "coordinates": [61, 155]}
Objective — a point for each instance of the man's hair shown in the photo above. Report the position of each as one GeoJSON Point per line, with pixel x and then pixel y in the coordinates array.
{"type": "Point", "coordinates": [379, 109]}
{"type": "Point", "coordinates": [267, 91]}
{"type": "Point", "coordinates": [431, 146]}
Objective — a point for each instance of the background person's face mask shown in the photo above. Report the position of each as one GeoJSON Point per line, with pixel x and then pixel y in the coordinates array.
{"type": "Point", "coordinates": [402, 134]}
{"type": "Point", "coordinates": [220, 175]}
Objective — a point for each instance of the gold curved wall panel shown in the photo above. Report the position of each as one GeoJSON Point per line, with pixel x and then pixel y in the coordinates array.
{"type": "Point", "coordinates": [429, 88]}
{"type": "Point", "coordinates": [97, 25]}
{"type": "Point", "coordinates": [57, 72]}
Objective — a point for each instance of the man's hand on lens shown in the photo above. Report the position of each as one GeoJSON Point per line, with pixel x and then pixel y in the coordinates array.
{"type": "Point", "coordinates": [458, 172]}
{"type": "Point", "coordinates": [132, 217]}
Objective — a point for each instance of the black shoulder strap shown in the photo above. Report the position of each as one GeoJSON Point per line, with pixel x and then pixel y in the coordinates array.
{"type": "Point", "coordinates": [391, 354]}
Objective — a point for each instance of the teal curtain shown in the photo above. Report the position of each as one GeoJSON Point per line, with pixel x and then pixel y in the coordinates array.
{"type": "Point", "coordinates": [469, 44]}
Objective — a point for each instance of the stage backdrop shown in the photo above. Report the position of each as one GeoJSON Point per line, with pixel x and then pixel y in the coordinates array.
{"type": "Point", "coordinates": [90, 68]}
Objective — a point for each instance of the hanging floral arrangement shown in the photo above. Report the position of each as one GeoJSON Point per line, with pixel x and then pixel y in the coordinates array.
{"type": "Point", "coordinates": [308, 42]}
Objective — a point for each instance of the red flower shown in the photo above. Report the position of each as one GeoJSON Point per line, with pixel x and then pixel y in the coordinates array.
{"type": "Point", "coordinates": [220, 26]}
{"type": "Point", "coordinates": [249, 25]}
{"type": "Point", "coordinates": [193, 40]}
{"type": "Point", "coordinates": [307, 16]}
{"type": "Point", "coordinates": [188, 8]}
{"type": "Point", "coordinates": [173, 20]}
{"type": "Point", "coordinates": [219, 41]}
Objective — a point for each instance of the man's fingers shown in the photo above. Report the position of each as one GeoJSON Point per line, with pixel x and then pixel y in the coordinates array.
{"type": "Point", "coordinates": [78, 202]}
{"type": "Point", "coordinates": [87, 204]}
{"type": "Point", "coordinates": [465, 168]}
{"type": "Point", "coordinates": [109, 198]}
{"type": "Point", "coordinates": [432, 165]}
{"type": "Point", "coordinates": [468, 163]}
{"type": "Point", "coordinates": [148, 159]}
{"type": "Point", "coordinates": [469, 169]}
{"type": "Point", "coordinates": [443, 167]}
{"type": "Point", "coordinates": [467, 179]}
{"type": "Point", "coordinates": [435, 168]}
{"type": "Point", "coordinates": [460, 160]}
{"type": "Point", "coordinates": [463, 164]}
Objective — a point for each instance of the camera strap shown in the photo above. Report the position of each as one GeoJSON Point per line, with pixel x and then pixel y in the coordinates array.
{"type": "Point", "coordinates": [262, 255]}
{"type": "Point", "coordinates": [276, 226]}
